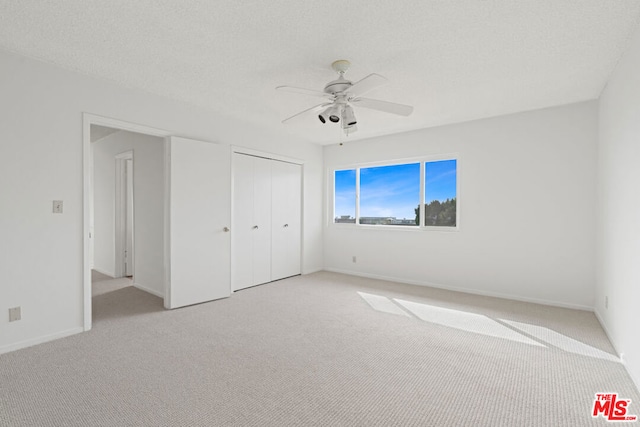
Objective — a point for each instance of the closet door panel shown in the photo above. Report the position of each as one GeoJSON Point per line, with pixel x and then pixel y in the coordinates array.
{"type": "Point", "coordinates": [279, 218]}
{"type": "Point", "coordinates": [286, 216]}
{"type": "Point", "coordinates": [242, 229]}
{"type": "Point", "coordinates": [261, 228]}
{"type": "Point", "coordinates": [294, 248]}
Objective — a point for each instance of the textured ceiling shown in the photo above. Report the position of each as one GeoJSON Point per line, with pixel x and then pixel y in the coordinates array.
{"type": "Point", "coordinates": [452, 60]}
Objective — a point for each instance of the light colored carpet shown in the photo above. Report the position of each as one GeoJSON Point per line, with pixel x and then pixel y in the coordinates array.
{"type": "Point", "coordinates": [96, 276]}
{"type": "Point", "coordinates": [319, 350]}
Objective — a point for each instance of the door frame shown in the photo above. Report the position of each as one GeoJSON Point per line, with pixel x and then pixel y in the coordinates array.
{"type": "Point", "coordinates": [89, 119]}
{"type": "Point", "coordinates": [122, 198]}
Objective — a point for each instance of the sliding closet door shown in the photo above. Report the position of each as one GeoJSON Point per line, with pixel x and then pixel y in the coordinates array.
{"type": "Point", "coordinates": [262, 220]}
{"type": "Point", "coordinates": [286, 219]}
{"type": "Point", "coordinates": [251, 221]}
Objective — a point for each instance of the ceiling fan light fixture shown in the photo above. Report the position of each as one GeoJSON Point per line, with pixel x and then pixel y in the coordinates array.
{"type": "Point", "coordinates": [348, 117]}
{"type": "Point", "coordinates": [324, 115]}
{"type": "Point", "coordinates": [348, 130]}
{"type": "Point", "coordinates": [334, 113]}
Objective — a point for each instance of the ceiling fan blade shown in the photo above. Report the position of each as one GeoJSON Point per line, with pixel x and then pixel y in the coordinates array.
{"type": "Point", "coordinates": [370, 82]}
{"type": "Point", "coordinates": [314, 108]}
{"type": "Point", "coordinates": [385, 106]}
{"type": "Point", "coordinates": [303, 91]}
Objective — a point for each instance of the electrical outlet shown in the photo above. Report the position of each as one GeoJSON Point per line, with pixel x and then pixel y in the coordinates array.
{"type": "Point", "coordinates": [14, 314]}
{"type": "Point", "coordinates": [606, 302]}
{"type": "Point", "coordinates": [354, 258]}
{"type": "Point", "coordinates": [57, 206]}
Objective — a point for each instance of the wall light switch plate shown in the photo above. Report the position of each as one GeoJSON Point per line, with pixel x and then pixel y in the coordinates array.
{"type": "Point", "coordinates": [57, 206]}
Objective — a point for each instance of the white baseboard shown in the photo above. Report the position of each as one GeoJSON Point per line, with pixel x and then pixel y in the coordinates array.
{"type": "Point", "coordinates": [148, 290]}
{"type": "Point", "coordinates": [40, 340]}
{"type": "Point", "coordinates": [315, 270]}
{"type": "Point", "coordinates": [465, 290]}
{"type": "Point", "coordinates": [635, 380]}
{"type": "Point", "coordinates": [606, 331]}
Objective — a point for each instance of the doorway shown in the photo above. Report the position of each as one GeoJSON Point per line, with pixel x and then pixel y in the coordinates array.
{"type": "Point", "coordinates": [181, 206]}
{"type": "Point", "coordinates": [123, 221]}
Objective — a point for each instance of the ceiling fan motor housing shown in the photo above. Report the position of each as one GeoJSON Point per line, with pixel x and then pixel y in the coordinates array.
{"type": "Point", "coordinates": [336, 86]}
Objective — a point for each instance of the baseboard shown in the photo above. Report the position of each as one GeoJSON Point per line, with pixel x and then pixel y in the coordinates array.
{"type": "Point", "coordinates": [606, 331]}
{"type": "Point", "coordinates": [634, 379]}
{"type": "Point", "coordinates": [315, 270]}
{"type": "Point", "coordinates": [40, 340]}
{"type": "Point", "coordinates": [148, 290]}
{"type": "Point", "coordinates": [465, 290]}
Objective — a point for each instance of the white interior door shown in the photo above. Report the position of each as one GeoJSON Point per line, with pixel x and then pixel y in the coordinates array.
{"type": "Point", "coordinates": [286, 219]}
{"type": "Point", "coordinates": [124, 212]}
{"type": "Point", "coordinates": [199, 216]}
{"type": "Point", "coordinates": [128, 254]}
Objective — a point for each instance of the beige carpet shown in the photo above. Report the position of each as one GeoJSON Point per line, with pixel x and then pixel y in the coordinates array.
{"type": "Point", "coordinates": [318, 350]}
{"type": "Point", "coordinates": [96, 276]}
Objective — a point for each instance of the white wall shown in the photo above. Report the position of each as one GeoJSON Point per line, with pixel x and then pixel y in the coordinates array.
{"type": "Point", "coordinates": [41, 159]}
{"type": "Point", "coordinates": [526, 202]}
{"type": "Point", "coordinates": [148, 181]}
{"type": "Point", "coordinates": [103, 213]}
{"type": "Point", "coordinates": [618, 273]}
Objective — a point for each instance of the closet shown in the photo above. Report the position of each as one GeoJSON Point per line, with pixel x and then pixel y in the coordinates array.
{"type": "Point", "coordinates": [266, 236]}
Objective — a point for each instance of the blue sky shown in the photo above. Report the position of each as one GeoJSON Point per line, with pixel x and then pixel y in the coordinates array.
{"type": "Point", "coordinates": [345, 193]}
{"type": "Point", "coordinates": [440, 180]}
{"type": "Point", "coordinates": [393, 191]}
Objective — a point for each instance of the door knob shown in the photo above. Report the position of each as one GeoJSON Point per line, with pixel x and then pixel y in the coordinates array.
{"type": "Point", "coordinates": [286, 225]}
{"type": "Point", "coordinates": [255, 227]}
{"type": "Point", "coordinates": [226, 229]}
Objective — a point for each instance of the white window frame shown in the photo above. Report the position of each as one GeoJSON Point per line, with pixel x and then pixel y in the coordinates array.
{"type": "Point", "coordinates": [403, 228]}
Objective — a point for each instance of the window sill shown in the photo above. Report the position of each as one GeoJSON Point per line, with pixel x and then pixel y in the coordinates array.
{"type": "Point", "coordinates": [402, 228]}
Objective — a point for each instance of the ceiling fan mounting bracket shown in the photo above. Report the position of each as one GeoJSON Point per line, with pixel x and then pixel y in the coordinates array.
{"type": "Point", "coordinates": [340, 66]}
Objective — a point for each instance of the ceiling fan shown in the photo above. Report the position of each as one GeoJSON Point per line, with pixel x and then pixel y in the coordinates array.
{"type": "Point", "coordinates": [341, 94]}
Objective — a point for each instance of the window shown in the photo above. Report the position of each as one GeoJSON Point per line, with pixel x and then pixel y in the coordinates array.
{"type": "Point", "coordinates": [440, 193]}
{"type": "Point", "coordinates": [418, 194]}
{"type": "Point", "coordinates": [389, 194]}
{"type": "Point", "coordinates": [345, 196]}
